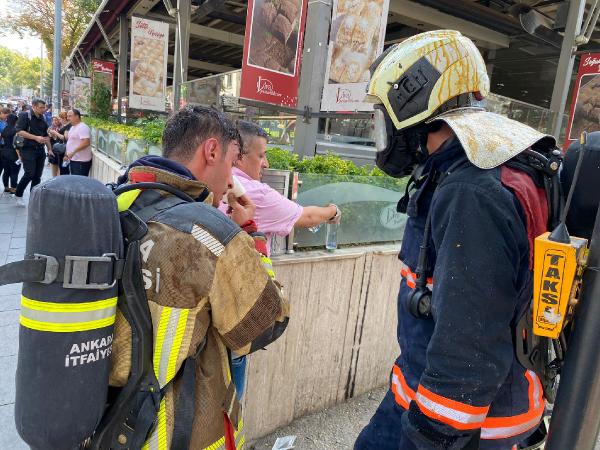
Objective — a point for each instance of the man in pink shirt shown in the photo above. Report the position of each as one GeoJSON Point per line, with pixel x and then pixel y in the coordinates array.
{"type": "Point", "coordinates": [79, 149]}
{"type": "Point", "coordinates": [275, 214]}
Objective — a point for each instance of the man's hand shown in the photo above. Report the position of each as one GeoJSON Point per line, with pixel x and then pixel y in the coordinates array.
{"type": "Point", "coordinates": [241, 209]}
{"type": "Point", "coordinates": [40, 139]}
{"type": "Point", "coordinates": [337, 218]}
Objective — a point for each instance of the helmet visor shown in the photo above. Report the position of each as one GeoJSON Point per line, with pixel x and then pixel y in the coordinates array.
{"type": "Point", "coordinates": [380, 132]}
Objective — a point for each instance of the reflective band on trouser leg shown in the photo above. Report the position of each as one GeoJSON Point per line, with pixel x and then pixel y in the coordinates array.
{"type": "Point", "coordinates": [67, 317]}
{"type": "Point", "coordinates": [402, 392]}
{"type": "Point", "coordinates": [268, 265]}
{"type": "Point", "coordinates": [411, 277]}
{"type": "Point", "coordinates": [240, 439]}
{"type": "Point", "coordinates": [167, 345]}
{"type": "Point", "coordinates": [506, 427]}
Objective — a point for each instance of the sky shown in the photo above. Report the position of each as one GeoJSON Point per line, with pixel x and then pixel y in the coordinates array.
{"type": "Point", "coordinates": [29, 46]}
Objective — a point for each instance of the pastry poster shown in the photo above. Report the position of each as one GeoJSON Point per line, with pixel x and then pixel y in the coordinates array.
{"type": "Point", "coordinates": [148, 68]}
{"type": "Point", "coordinates": [585, 107]}
{"type": "Point", "coordinates": [355, 40]}
{"type": "Point", "coordinates": [272, 51]}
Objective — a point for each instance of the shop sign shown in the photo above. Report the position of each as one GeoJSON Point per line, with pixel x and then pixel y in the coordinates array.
{"type": "Point", "coordinates": [104, 72]}
{"type": "Point", "coordinates": [585, 106]}
{"type": "Point", "coordinates": [355, 40]}
{"type": "Point", "coordinates": [81, 93]}
{"type": "Point", "coordinates": [148, 67]}
{"type": "Point", "coordinates": [273, 50]}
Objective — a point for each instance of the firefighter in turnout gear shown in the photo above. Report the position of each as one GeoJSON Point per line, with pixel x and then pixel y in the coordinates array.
{"type": "Point", "coordinates": [209, 285]}
{"type": "Point", "coordinates": [467, 252]}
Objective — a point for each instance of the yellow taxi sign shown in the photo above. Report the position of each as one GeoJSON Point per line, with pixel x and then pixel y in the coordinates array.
{"type": "Point", "coordinates": [555, 267]}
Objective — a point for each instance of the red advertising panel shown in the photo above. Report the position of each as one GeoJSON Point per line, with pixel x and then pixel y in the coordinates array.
{"type": "Point", "coordinates": [585, 106]}
{"type": "Point", "coordinates": [105, 72]}
{"type": "Point", "coordinates": [273, 51]}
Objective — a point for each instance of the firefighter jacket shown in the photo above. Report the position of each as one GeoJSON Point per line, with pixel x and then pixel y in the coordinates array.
{"type": "Point", "coordinates": [458, 375]}
{"type": "Point", "coordinates": [209, 293]}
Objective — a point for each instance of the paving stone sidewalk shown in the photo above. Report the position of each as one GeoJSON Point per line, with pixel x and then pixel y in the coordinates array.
{"type": "Point", "coordinates": [13, 229]}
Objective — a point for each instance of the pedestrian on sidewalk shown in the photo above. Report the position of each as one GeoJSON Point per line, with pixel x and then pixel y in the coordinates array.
{"type": "Point", "coordinates": [79, 149]}
{"type": "Point", "coordinates": [59, 144]}
{"type": "Point", "coordinates": [32, 126]}
{"type": "Point", "coordinates": [9, 156]}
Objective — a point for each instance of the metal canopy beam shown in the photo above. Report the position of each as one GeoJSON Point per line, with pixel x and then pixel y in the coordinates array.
{"type": "Point", "coordinates": [204, 32]}
{"type": "Point", "coordinates": [205, 9]}
{"type": "Point", "coordinates": [106, 39]}
{"type": "Point", "coordinates": [565, 65]}
{"type": "Point", "coordinates": [182, 49]}
{"type": "Point", "coordinates": [204, 65]}
{"type": "Point", "coordinates": [431, 16]}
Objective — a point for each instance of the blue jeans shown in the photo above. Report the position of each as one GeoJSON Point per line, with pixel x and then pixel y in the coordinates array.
{"type": "Point", "coordinates": [238, 373]}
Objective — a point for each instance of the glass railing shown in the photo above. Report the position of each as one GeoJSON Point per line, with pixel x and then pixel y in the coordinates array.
{"type": "Point", "coordinates": [368, 206]}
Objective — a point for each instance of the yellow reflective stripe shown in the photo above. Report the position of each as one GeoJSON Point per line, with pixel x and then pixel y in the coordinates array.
{"type": "Point", "coordinates": [126, 199]}
{"type": "Point", "coordinates": [160, 338]}
{"type": "Point", "coordinates": [66, 327]}
{"type": "Point", "coordinates": [158, 438]}
{"type": "Point", "coordinates": [68, 307]}
{"type": "Point", "coordinates": [268, 265]}
{"type": "Point", "coordinates": [177, 344]}
{"type": "Point", "coordinates": [161, 428]}
{"type": "Point", "coordinates": [240, 439]}
{"type": "Point", "coordinates": [67, 317]}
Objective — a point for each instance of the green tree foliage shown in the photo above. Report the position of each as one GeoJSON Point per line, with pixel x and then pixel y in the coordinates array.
{"type": "Point", "coordinates": [36, 17]}
{"type": "Point", "coordinates": [101, 100]}
{"type": "Point", "coordinates": [18, 71]}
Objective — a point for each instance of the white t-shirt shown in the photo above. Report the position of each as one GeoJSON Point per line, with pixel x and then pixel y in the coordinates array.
{"type": "Point", "coordinates": [77, 134]}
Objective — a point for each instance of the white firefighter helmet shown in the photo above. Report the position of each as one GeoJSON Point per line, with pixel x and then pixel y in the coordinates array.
{"type": "Point", "coordinates": [437, 75]}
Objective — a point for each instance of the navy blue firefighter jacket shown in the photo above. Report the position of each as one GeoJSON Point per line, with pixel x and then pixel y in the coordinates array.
{"type": "Point", "coordinates": [457, 375]}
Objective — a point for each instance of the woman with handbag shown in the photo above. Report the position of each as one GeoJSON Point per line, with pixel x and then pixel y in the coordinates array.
{"type": "Point", "coordinates": [58, 133]}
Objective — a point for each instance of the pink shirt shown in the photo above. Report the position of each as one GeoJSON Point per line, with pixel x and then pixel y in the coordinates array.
{"type": "Point", "coordinates": [275, 214]}
{"type": "Point", "coordinates": [76, 135]}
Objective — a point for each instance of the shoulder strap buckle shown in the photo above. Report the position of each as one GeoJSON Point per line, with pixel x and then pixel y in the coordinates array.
{"type": "Point", "coordinates": [77, 271]}
{"type": "Point", "coordinates": [51, 268]}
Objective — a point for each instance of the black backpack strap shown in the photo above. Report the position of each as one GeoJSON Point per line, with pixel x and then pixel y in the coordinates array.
{"type": "Point", "coordinates": [185, 406]}
{"type": "Point", "coordinates": [74, 272]}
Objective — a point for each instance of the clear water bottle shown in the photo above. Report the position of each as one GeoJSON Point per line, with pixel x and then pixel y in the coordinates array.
{"type": "Point", "coordinates": [66, 163]}
{"type": "Point", "coordinates": [331, 240]}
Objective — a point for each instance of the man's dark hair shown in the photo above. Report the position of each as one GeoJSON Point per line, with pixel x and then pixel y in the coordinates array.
{"type": "Point", "coordinates": [250, 130]}
{"type": "Point", "coordinates": [37, 101]}
{"type": "Point", "coordinates": [186, 129]}
{"type": "Point", "coordinates": [76, 112]}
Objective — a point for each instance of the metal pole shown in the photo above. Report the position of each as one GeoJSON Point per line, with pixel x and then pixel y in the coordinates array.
{"type": "Point", "coordinates": [182, 45]}
{"type": "Point", "coordinates": [312, 75]}
{"type": "Point", "coordinates": [56, 56]}
{"type": "Point", "coordinates": [122, 74]}
{"type": "Point", "coordinates": [565, 65]}
{"type": "Point", "coordinates": [576, 416]}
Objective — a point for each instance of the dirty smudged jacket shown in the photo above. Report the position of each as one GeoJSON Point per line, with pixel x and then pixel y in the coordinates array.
{"type": "Point", "coordinates": [209, 293]}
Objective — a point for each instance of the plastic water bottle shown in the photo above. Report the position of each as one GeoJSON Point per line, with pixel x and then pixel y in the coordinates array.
{"type": "Point", "coordinates": [331, 240]}
{"type": "Point", "coordinates": [65, 163]}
